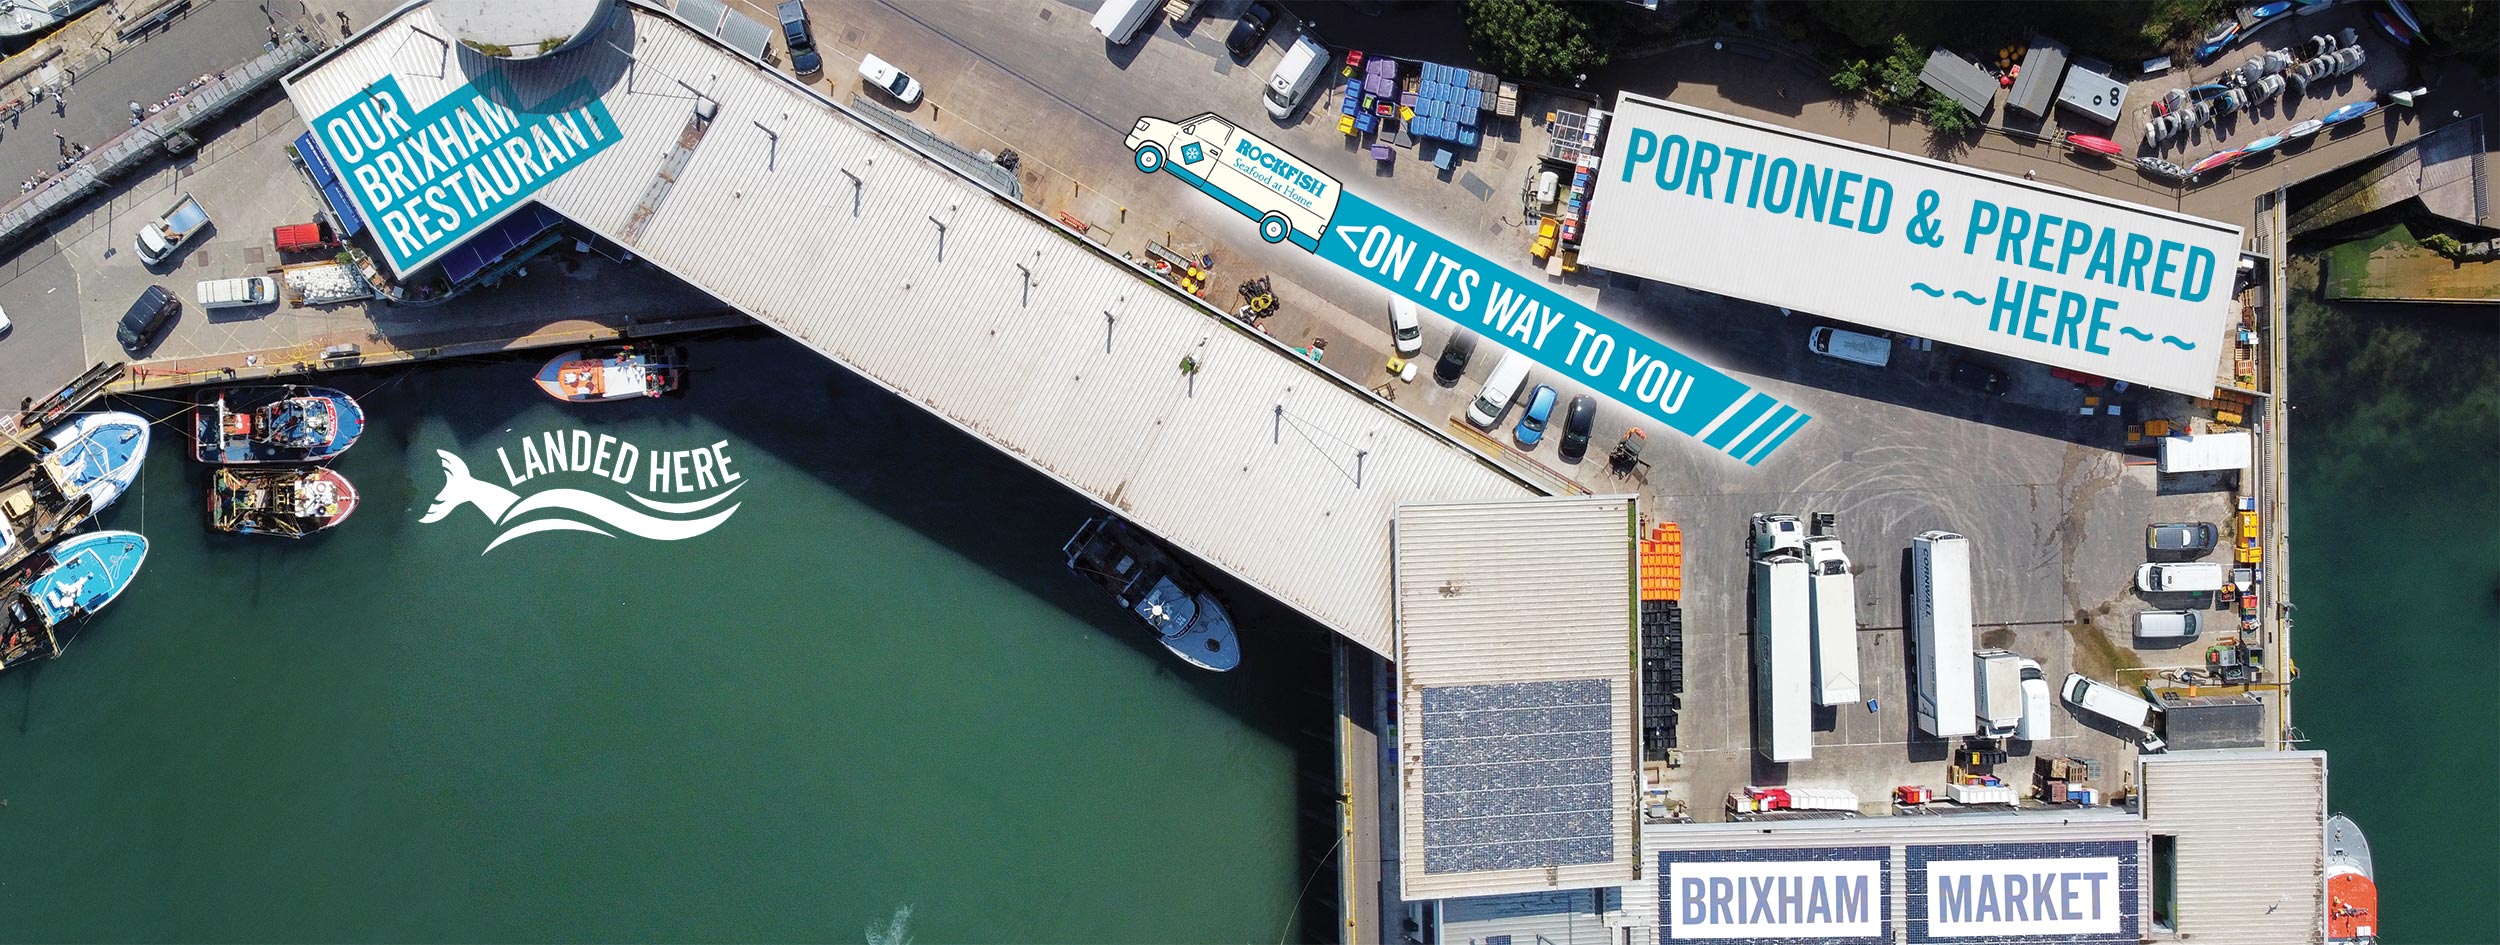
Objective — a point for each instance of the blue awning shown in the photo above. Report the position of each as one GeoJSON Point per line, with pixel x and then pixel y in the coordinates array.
{"type": "Point", "coordinates": [332, 191]}
{"type": "Point", "coordinates": [493, 243]}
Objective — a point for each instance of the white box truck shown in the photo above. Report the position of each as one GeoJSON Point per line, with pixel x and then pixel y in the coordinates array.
{"type": "Point", "coordinates": [1783, 658]}
{"type": "Point", "coordinates": [1292, 202]}
{"type": "Point", "coordinates": [2000, 677]}
{"type": "Point", "coordinates": [1940, 635]}
{"type": "Point", "coordinates": [1835, 622]}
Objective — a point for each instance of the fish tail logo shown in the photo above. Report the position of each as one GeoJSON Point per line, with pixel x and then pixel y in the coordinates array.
{"type": "Point", "coordinates": [576, 510]}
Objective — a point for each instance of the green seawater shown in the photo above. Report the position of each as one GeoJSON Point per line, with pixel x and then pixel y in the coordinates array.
{"type": "Point", "coordinates": [873, 705]}
{"type": "Point", "coordinates": [2395, 437]}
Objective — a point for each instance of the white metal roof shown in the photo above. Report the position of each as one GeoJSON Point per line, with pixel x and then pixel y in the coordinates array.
{"type": "Point", "coordinates": [1260, 463]}
{"type": "Point", "coordinates": [1507, 593]}
{"type": "Point", "coordinates": [1921, 247]}
{"type": "Point", "coordinates": [2251, 829]}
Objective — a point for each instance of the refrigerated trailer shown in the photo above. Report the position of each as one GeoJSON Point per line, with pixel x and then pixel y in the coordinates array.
{"type": "Point", "coordinates": [1940, 638]}
{"type": "Point", "coordinates": [1783, 659]}
{"type": "Point", "coordinates": [1835, 595]}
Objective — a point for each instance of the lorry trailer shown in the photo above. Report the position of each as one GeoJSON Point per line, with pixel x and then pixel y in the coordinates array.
{"type": "Point", "coordinates": [1835, 596]}
{"type": "Point", "coordinates": [1940, 638]}
{"type": "Point", "coordinates": [1783, 658]}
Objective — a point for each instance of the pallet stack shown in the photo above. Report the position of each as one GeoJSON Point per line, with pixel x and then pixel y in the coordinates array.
{"type": "Point", "coordinates": [1662, 675]}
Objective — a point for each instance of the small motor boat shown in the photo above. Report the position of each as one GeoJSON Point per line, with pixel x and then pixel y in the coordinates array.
{"type": "Point", "coordinates": [2349, 112]}
{"type": "Point", "coordinates": [2262, 145]}
{"type": "Point", "coordinates": [2303, 130]}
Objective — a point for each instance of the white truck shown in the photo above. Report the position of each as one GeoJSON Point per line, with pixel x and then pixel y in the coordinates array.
{"type": "Point", "coordinates": [2000, 677]}
{"type": "Point", "coordinates": [159, 238]}
{"type": "Point", "coordinates": [1940, 639]}
{"type": "Point", "coordinates": [1835, 594]}
{"type": "Point", "coordinates": [1783, 655]}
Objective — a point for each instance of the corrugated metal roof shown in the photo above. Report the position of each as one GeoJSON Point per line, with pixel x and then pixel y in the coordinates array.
{"type": "Point", "coordinates": [1959, 80]}
{"type": "Point", "coordinates": [1494, 593]}
{"type": "Point", "coordinates": [2035, 90]}
{"type": "Point", "coordinates": [1261, 463]}
{"type": "Point", "coordinates": [2251, 829]}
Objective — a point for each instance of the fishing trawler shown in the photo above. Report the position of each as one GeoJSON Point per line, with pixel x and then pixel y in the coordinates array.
{"type": "Point", "coordinates": [20, 17]}
{"type": "Point", "coordinates": [245, 425]}
{"type": "Point", "coordinates": [290, 503]}
{"type": "Point", "coordinates": [1185, 617]}
{"type": "Point", "coordinates": [81, 467]}
{"type": "Point", "coordinates": [42, 608]}
{"type": "Point", "coordinates": [620, 372]}
{"type": "Point", "coordinates": [2351, 884]}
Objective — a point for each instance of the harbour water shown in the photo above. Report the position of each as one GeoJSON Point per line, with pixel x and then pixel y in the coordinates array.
{"type": "Point", "coordinates": [870, 705]}
{"type": "Point", "coordinates": [2395, 486]}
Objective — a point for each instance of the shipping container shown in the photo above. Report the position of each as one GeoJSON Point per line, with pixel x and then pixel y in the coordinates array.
{"type": "Point", "coordinates": [1940, 616]}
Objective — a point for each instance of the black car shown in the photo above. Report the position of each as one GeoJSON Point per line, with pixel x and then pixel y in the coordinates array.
{"type": "Point", "coordinates": [1250, 31]}
{"type": "Point", "coordinates": [1979, 377]}
{"type": "Point", "coordinates": [802, 40]}
{"type": "Point", "coordinates": [1454, 358]}
{"type": "Point", "coordinates": [147, 316]}
{"type": "Point", "coordinates": [1575, 434]}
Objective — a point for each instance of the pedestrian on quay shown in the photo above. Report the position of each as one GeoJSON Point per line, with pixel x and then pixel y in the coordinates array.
{"type": "Point", "coordinates": [60, 139]}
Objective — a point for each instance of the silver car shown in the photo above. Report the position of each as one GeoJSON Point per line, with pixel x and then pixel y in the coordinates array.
{"type": "Point", "coordinates": [2181, 537]}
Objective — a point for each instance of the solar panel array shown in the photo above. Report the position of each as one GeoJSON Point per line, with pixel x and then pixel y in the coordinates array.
{"type": "Point", "coordinates": [1516, 775]}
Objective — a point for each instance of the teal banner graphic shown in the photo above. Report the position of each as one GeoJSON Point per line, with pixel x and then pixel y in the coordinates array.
{"type": "Point", "coordinates": [1293, 202]}
{"type": "Point", "coordinates": [425, 180]}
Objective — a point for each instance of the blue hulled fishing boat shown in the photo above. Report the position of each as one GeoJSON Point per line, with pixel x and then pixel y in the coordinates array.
{"type": "Point", "coordinates": [81, 467]}
{"type": "Point", "coordinates": [40, 610]}
{"type": "Point", "coordinates": [244, 425]}
{"type": "Point", "coordinates": [1185, 616]}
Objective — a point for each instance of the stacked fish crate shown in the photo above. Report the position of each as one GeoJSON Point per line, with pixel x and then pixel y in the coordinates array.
{"type": "Point", "coordinates": [1448, 102]}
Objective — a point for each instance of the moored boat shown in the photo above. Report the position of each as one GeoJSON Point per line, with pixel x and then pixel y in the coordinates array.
{"type": "Point", "coordinates": [289, 502]}
{"type": "Point", "coordinates": [247, 425]}
{"type": "Point", "coordinates": [1184, 616]}
{"type": "Point", "coordinates": [618, 372]}
{"type": "Point", "coordinates": [83, 465]}
{"type": "Point", "coordinates": [40, 610]}
{"type": "Point", "coordinates": [21, 17]}
{"type": "Point", "coordinates": [2351, 884]}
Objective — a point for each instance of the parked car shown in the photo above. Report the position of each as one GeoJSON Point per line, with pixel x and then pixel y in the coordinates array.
{"type": "Point", "coordinates": [2168, 625]}
{"type": "Point", "coordinates": [2185, 537]}
{"type": "Point", "coordinates": [1576, 422]}
{"type": "Point", "coordinates": [1531, 428]}
{"type": "Point", "coordinates": [1979, 377]}
{"type": "Point", "coordinates": [4, 323]}
{"type": "Point", "coordinates": [804, 59]}
{"type": "Point", "coordinates": [146, 318]}
{"type": "Point", "coordinates": [1294, 76]}
{"type": "Point", "coordinates": [1453, 363]}
{"type": "Point", "coordinates": [1406, 326]}
{"type": "Point", "coordinates": [890, 80]}
{"type": "Point", "coordinates": [1251, 30]}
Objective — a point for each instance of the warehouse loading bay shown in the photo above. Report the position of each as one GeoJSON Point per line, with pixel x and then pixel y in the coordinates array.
{"type": "Point", "coordinates": [2056, 520]}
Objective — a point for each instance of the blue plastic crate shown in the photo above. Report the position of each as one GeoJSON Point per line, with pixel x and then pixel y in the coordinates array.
{"type": "Point", "coordinates": [1461, 77]}
{"type": "Point", "coordinates": [1467, 117]}
{"type": "Point", "coordinates": [1364, 122]}
{"type": "Point", "coordinates": [1467, 136]}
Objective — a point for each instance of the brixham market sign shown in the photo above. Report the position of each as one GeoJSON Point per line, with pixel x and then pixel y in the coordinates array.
{"type": "Point", "coordinates": [427, 178]}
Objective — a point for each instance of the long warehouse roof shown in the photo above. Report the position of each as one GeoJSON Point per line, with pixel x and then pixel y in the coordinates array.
{"type": "Point", "coordinates": [747, 184]}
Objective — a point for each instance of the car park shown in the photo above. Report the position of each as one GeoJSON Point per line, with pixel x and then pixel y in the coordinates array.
{"type": "Point", "coordinates": [801, 39]}
{"type": "Point", "coordinates": [2181, 537]}
{"type": "Point", "coordinates": [1971, 375]}
{"type": "Point", "coordinates": [1406, 326]}
{"type": "Point", "coordinates": [1453, 362]}
{"type": "Point", "coordinates": [1577, 419]}
{"type": "Point", "coordinates": [888, 79]}
{"type": "Point", "coordinates": [2168, 625]}
{"type": "Point", "coordinates": [146, 318]}
{"type": "Point", "coordinates": [1294, 76]}
{"type": "Point", "coordinates": [1531, 429]}
{"type": "Point", "coordinates": [1251, 30]}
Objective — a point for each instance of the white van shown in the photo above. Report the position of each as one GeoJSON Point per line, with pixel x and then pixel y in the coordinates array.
{"type": "Point", "coordinates": [1118, 20]}
{"type": "Point", "coordinates": [2167, 625]}
{"type": "Point", "coordinates": [2107, 701]}
{"type": "Point", "coordinates": [1500, 388]}
{"type": "Point", "coordinates": [2036, 704]}
{"type": "Point", "coordinates": [238, 293]}
{"type": "Point", "coordinates": [1294, 76]}
{"type": "Point", "coordinates": [1850, 346]}
{"type": "Point", "coordinates": [1406, 326]}
{"type": "Point", "coordinates": [2159, 578]}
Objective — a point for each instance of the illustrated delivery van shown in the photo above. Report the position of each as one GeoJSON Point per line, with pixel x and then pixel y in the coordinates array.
{"type": "Point", "coordinates": [1257, 179]}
